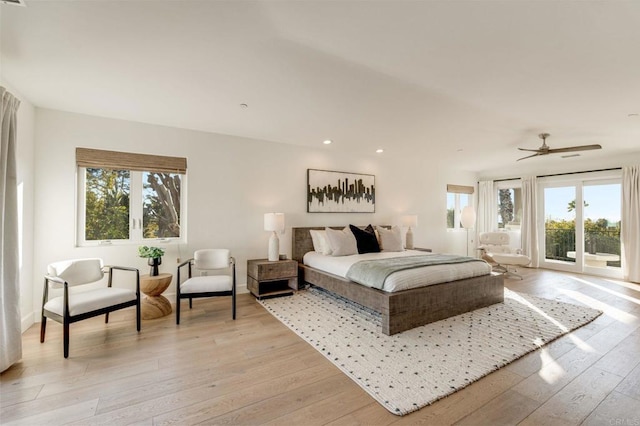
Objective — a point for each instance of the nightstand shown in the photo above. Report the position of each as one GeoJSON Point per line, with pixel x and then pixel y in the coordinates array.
{"type": "Point", "coordinates": [272, 278]}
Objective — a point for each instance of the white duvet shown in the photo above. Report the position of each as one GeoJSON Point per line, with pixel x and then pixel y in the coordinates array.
{"type": "Point", "coordinates": [402, 280]}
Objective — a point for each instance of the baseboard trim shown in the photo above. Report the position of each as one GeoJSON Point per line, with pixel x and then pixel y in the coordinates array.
{"type": "Point", "coordinates": [27, 322]}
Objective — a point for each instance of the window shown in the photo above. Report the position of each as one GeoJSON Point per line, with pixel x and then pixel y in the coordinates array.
{"type": "Point", "coordinates": [128, 197]}
{"type": "Point", "coordinates": [458, 197]}
{"type": "Point", "coordinates": [509, 205]}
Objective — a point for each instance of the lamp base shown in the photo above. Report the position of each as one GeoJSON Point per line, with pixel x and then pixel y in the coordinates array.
{"type": "Point", "coordinates": [274, 248]}
{"type": "Point", "coordinates": [409, 241]}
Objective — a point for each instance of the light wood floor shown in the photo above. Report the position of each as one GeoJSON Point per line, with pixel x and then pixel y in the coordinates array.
{"type": "Point", "coordinates": [212, 370]}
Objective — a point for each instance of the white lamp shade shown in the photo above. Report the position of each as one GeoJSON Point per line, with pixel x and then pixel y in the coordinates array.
{"type": "Point", "coordinates": [468, 217]}
{"type": "Point", "coordinates": [410, 221]}
{"type": "Point", "coordinates": [274, 222]}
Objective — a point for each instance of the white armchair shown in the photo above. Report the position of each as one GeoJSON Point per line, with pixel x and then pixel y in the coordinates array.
{"type": "Point", "coordinates": [72, 306]}
{"type": "Point", "coordinates": [496, 250]}
{"type": "Point", "coordinates": [223, 284]}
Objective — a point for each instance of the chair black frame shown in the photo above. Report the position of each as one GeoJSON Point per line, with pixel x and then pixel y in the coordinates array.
{"type": "Point", "coordinates": [66, 319]}
{"type": "Point", "coordinates": [191, 296]}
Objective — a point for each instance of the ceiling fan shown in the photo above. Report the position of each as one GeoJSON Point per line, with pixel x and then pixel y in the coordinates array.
{"type": "Point", "coordinates": [544, 149]}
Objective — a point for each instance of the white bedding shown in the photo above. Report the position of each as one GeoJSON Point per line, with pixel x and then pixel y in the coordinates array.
{"type": "Point", "coordinates": [402, 280]}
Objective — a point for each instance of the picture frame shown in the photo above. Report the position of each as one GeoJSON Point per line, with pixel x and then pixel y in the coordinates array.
{"type": "Point", "coordinates": [340, 192]}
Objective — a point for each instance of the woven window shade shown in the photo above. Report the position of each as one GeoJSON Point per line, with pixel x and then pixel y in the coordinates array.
{"type": "Point", "coordinates": [460, 189]}
{"type": "Point", "coordinates": [115, 160]}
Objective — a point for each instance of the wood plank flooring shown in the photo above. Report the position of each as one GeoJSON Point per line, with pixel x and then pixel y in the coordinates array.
{"type": "Point", "coordinates": [212, 370]}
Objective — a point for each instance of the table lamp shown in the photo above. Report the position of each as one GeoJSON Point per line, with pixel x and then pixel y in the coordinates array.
{"type": "Point", "coordinates": [409, 221]}
{"type": "Point", "coordinates": [274, 222]}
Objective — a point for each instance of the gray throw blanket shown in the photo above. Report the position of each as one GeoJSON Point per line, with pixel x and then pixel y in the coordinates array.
{"type": "Point", "coordinates": [372, 273]}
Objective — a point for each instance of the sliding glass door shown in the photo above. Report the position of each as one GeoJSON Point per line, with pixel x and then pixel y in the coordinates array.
{"type": "Point", "coordinates": [601, 222]}
{"type": "Point", "coordinates": [560, 226]}
{"type": "Point", "coordinates": [581, 225]}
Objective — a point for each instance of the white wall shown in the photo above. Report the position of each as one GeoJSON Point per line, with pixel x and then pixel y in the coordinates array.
{"type": "Point", "coordinates": [25, 169]}
{"type": "Point", "coordinates": [232, 182]}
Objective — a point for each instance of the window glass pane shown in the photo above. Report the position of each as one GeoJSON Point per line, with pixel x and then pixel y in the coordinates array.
{"type": "Point", "coordinates": [451, 205]}
{"type": "Point", "coordinates": [509, 208]}
{"type": "Point", "coordinates": [506, 208]}
{"type": "Point", "coordinates": [560, 223]}
{"type": "Point", "coordinates": [602, 212]}
{"type": "Point", "coordinates": [107, 204]}
{"type": "Point", "coordinates": [161, 205]}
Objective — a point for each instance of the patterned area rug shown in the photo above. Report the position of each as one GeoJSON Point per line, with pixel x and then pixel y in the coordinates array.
{"type": "Point", "coordinates": [409, 370]}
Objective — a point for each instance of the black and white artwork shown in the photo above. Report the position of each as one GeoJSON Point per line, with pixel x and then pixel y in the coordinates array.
{"type": "Point", "coordinates": [340, 192]}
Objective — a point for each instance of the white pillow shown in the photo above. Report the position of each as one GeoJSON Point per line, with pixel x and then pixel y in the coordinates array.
{"type": "Point", "coordinates": [343, 243]}
{"type": "Point", "coordinates": [320, 242]}
{"type": "Point", "coordinates": [390, 239]}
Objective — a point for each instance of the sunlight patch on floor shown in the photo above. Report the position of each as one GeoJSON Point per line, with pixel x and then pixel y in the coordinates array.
{"type": "Point", "coordinates": [551, 370]}
{"type": "Point", "coordinates": [614, 313]}
{"type": "Point", "coordinates": [607, 290]}
{"type": "Point", "coordinates": [625, 284]}
{"type": "Point", "coordinates": [534, 308]}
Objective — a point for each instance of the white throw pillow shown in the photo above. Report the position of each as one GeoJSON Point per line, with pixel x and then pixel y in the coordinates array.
{"type": "Point", "coordinates": [342, 242]}
{"type": "Point", "coordinates": [390, 239]}
{"type": "Point", "coordinates": [320, 242]}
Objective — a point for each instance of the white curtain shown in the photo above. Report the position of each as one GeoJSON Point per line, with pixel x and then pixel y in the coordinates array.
{"type": "Point", "coordinates": [529, 228]}
{"type": "Point", "coordinates": [10, 333]}
{"type": "Point", "coordinates": [487, 220]}
{"type": "Point", "coordinates": [630, 232]}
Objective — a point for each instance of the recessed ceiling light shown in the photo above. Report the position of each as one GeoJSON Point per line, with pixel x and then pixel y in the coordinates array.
{"type": "Point", "coordinates": [327, 141]}
{"type": "Point", "coordinates": [380, 150]}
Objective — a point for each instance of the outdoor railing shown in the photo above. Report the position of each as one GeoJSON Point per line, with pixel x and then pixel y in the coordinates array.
{"type": "Point", "coordinates": [561, 241]}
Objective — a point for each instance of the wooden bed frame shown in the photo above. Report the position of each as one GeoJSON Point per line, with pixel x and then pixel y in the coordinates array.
{"type": "Point", "coordinates": [403, 310]}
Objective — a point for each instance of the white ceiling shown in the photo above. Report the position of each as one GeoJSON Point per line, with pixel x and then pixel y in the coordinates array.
{"type": "Point", "coordinates": [463, 81]}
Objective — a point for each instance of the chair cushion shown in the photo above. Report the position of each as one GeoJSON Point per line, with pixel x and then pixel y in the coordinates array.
{"type": "Point", "coordinates": [87, 301]}
{"type": "Point", "coordinates": [510, 258]}
{"type": "Point", "coordinates": [77, 271]}
{"type": "Point", "coordinates": [494, 238]}
{"type": "Point", "coordinates": [211, 258]}
{"type": "Point", "coordinates": [211, 283]}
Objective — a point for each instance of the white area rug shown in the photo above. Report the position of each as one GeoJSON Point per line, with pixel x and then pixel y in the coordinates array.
{"type": "Point", "coordinates": [409, 370]}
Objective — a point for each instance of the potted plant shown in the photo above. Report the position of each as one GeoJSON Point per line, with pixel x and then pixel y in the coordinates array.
{"type": "Point", "coordinates": [154, 254]}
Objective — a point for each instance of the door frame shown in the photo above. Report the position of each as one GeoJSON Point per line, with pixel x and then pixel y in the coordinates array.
{"type": "Point", "coordinates": [578, 181]}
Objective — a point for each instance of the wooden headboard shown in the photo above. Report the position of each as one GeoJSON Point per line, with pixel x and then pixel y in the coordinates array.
{"type": "Point", "coordinates": [301, 242]}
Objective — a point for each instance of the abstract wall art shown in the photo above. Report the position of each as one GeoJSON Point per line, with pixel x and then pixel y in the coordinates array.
{"type": "Point", "coordinates": [340, 192]}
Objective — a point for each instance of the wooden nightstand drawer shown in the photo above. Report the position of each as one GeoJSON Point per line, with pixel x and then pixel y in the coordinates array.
{"type": "Point", "coordinates": [264, 270]}
{"type": "Point", "coordinates": [271, 279]}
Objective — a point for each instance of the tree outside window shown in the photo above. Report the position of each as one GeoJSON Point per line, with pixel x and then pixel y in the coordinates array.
{"type": "Point", "coordinates": [107, 204]}
{"type": "Point", "coordinates": [115, 210]}
{"type": "Point", "coordinates": [509, 208]}
{"type": "Point", "coordinates": [161, 212]}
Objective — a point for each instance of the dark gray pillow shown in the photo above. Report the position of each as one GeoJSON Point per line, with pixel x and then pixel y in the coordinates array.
{"type": "Point", "coordinates": [365, 239]}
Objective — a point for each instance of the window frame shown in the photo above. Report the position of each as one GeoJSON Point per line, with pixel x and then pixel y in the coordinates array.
{"type": "Point", "coordinates": [137, 165]}
{"type": "Point", "coordinates": [458, 191]}
{"type": "Point", "coordinates": [507, 184]}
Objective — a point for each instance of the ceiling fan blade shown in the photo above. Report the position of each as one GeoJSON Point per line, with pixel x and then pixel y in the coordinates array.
{"type": "Point", "coordinates": [534, 155]}
{"type": "Point", "coordinates": [532, 150]}
{"type": "Point", "coordinates": [575, 148]}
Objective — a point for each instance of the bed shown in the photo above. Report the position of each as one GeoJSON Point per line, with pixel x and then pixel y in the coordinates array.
{"type": "Point", "coordinates": [405, 309]}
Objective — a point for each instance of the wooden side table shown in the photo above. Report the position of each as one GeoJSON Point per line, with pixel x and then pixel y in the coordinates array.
{"type": "Point", "coordinates": [154, 305]}
{"type": "Point", "coordinates": [272, 278]}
